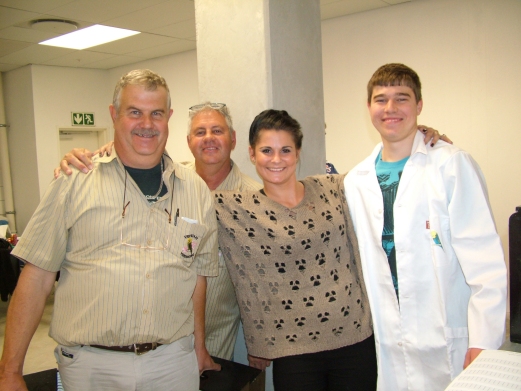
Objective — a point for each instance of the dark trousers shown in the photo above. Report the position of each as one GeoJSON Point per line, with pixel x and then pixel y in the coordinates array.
{"type": "Point", "coordinates": [351, 368]}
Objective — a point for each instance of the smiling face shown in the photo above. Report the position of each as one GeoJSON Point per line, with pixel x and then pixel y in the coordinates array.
{"type": "Point", "coordinates": [210, 139]}
{"type": "Point", "coordinates": [141, 125]}
{"type": "Point", "coordinates": [394, 113]}
{"type": "Point", "coordinates": [275, 157]}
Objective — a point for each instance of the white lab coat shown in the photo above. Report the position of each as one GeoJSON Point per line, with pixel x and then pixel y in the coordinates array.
{"type": "Point", "coordinates": [451, 296]}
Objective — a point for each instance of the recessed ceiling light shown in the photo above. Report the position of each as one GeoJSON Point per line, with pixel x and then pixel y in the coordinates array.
{"type": "Point", "coordinates": [88, 37]}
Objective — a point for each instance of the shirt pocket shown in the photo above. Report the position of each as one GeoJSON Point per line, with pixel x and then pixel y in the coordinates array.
{"type": "Point", "coordinates": [187, 237]}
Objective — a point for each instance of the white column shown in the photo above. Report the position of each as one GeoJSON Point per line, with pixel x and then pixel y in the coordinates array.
{"type": "Point", "coordinates": [260, 54]}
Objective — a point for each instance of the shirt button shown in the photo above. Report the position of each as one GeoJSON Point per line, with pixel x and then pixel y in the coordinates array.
{"type": "Point", "coordinates": [145, 312]}
{"type": "Point", "coordinates": [399, 344]}
{"type": "Point", "coordinates": [148, 275]}
{"type": "Point", "coordinates": [149, 242]}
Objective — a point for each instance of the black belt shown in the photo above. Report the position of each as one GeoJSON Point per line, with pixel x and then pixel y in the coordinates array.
{"type": "Point", "coordinates": [137, 348]}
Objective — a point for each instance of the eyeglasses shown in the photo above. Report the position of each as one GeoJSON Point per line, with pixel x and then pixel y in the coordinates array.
{"type": "Point", "coordinates": [166, 242]}
{"type": "Point", "coordinates": [215, 106]}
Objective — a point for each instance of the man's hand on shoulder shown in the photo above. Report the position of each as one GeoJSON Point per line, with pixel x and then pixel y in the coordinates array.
{"type": "Point", "coordinates": [81, 158]}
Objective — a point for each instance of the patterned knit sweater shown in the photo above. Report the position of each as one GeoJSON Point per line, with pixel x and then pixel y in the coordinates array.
{"type": "Point", "coordinates": [296, 271]}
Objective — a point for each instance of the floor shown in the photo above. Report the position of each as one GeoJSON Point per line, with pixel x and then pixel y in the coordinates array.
{"type": "Point", "coordinates": [40, 355]}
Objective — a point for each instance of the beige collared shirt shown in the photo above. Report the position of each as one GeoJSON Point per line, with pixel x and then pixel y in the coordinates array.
{"type": "Point", "coordinates": [115, 294]}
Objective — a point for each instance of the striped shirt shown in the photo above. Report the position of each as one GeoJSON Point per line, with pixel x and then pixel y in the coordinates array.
{"type": "Point", "coordinates": [222, 312]}
{"type": "Point", "coordinates": [110, 293]}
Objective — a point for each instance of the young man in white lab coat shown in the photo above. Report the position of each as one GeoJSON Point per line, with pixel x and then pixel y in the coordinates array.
{"type": "Point", "coordinates": [431, 257]}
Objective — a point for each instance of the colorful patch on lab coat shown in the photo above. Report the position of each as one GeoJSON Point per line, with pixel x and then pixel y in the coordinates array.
{"type": "Point", "coordinates": [436, 239]}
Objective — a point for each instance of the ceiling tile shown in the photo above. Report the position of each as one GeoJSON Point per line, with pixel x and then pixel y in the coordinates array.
{"type": "Point", "coordinates": [10, 16]}
{"type": "Point", "coordinates": [8, 46]}
{"type": "Point", "coordinates": [25, 34]}
{"type": "Point", "coordinates": [185, 29]}
{"type": "Point", "coordinates": [34, 54]}
{"type": "Point", "coordinates": [132, 44]}
{"type": "Point", "coordinates": [8, 67]}
{"type": "Point", "coordinates": [96, 11]}
{"type": "Point", "coordinates": [115, 61]}
{"type": "Point", "coordinates": [166, 49]}
{"type": "Point", "coordinates": [34, 5]}
{"type": "Point", "coordinates": [159, 15]}
{"type": "Point", "coordinates": [345, 7]}
{"type": "Point", "coordinates": [78, 59]}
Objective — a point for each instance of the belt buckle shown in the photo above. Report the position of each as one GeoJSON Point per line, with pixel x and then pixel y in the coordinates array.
{"type": "Point", "coordinates": [139, 352]}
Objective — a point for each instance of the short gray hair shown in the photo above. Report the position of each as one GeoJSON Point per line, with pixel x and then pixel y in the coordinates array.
{"type": "Point", "coordinates": [142, 77]}
{"type": "Point", "coordinates": [209, 106]}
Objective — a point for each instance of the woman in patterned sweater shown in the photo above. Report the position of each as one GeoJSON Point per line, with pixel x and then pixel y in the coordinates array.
{"type": "Point", "coordinates": [293, 257]}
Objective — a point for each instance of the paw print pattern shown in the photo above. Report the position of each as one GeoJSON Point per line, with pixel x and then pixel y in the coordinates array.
{"type": "Point", "coordinates": [314, 335]}
{"type": "Point", "coordinates": [324, 198]}
{"type": "Point", "coordinates": [266, 306]}
{"type": "Point", "coordinates": [253, 287]}
{"type": "Point", "coordinates": [315, 280]}
{"type": "Point", "coordinates": [318, 182]}
{"type": "Point", "coordinates": [359, 302]}
{"type": "Point", "coordinates": [342, 229]}
{"type": "Point", "coordinates": [338, 208]}
{"type": "Point", "coordinates": [336, 251]}
{"type": "Point", "coordinates": [287, 304]}
{"type": "Point", "coordinates": [323, 317]}
{"type": "Point", "coordinates": [261, 269]}
{"type": "Point", "coordinates": [325, 236]}
{"type": "Point", "coordinates": [251, 339]}
{"type": "Point", "coordinates": [301, 265]}
{"type": "Point", "coordinates": [246, 305]}
{"type": "Point", "coordinates": [274, 287]}
{"type": "Point", "coordinates": [240, 270]}
{"type": "Point", "coordinates": [290, 230]}
{"type": "Point", "coordinates": [286, 249]}
{"type": "Point", "coordinates": [334, 274]}
{"type": "Point", "coordinates": [357, 325]}
{"type": "Point", "coordinates": [327, 215]}
{"type": "Point", "coordinates": [258, 324]}
{"type": "Point", "coordinates": [337, 331]}
{"type": "Point", "coordinates": [256, 199]}
{"type": "Point", "coordinates": [281, 267]}
{"type": "Point", "coordinates": [309, 223]}
{"type": "Point", "coordinates": [251, 214]}
{"type": "Point", "coordinates": [266, 250]}
{"type": "Point", "coordinates": [334, 193]}
{"type": "Point", "coordinates": [300, 321]}
{"type": "Point", "coordinates": [291, 338]}
{"type": "Point", "coordinates": [306, 243]}
{"type": "Point", "coordinates": [246, 250]}
{"type": "Point", "coordinates": [219, 197]}
{"type": "Point", "coordinates": [331, 296]}
{"type": "Point", "coordinates": [250, 232]}
{"type": "Point", "coordinates": [230, 232]}
{"type": "Point", "coordinates": [237, 198]}
{"type": "Point", "coordinates": [279, 323]}
{"type": "Point", "coordinates": [345, 310]}
{"type": "Point", "coordinates": [270, 233]}
{"type": "Point", "coordinates": [271, 215]}
{"type": "Point", "coordinates": [270, 341]}
{"type": "Point", "coordinates": [308, 301]}
{"type": "Point", "coordinates": [295, 285]}
{"type": "Point", "coordinates": [235, 214]}
{"type": "Point", "coordinates": [348, 289]}
{"type": "Point", "coordinates": [321, 259]}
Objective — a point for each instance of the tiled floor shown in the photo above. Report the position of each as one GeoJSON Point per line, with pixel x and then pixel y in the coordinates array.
{"type": "Point", "coordinates": [40, 355]}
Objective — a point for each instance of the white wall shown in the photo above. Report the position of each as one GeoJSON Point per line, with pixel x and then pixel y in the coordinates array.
{"type": "Point", "coordinates": [467, 53]}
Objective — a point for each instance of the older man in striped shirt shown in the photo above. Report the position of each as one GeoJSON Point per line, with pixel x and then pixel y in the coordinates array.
{"type": "Point", "coordinates": [134, 241]}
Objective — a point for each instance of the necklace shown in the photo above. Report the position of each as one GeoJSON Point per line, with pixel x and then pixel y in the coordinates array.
{"type": "Point", "coordinates": [148, 197]}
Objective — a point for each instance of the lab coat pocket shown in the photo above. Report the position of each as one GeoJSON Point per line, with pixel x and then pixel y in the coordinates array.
{"type": "Point", "coordinates": [438, 231]}
{"type": "Point", "coordinates": [188, 235]}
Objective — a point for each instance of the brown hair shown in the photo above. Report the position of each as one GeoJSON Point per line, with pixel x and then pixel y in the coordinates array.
{"type": "Point", "coordinates": [395, 75]}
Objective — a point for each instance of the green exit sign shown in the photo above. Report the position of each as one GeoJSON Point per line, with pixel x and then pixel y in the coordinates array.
{"type": "Point", "coordinates": [83, 119]}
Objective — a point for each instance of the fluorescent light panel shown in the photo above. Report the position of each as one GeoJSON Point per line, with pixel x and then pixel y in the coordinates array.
{"type": "Point", "coordinates": [88, 37]}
